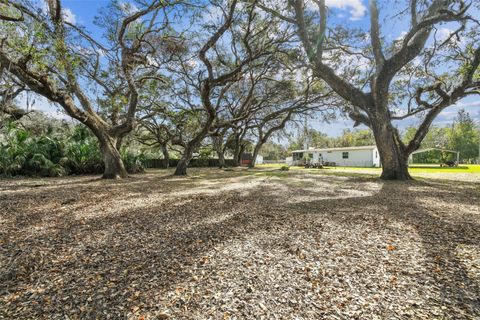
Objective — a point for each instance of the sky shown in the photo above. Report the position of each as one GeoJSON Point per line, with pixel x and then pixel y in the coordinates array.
{"type": "Point", "coordinates": [352, 12]}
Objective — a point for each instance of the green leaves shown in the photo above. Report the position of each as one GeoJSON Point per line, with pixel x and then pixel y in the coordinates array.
{"type": "Point", "coordinates": [461, 135]}
{"type": "Point", "coordinates": [23, 153]}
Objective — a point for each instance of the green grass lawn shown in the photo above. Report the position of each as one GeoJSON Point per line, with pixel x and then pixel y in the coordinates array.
{"type": "Point", "coordinates": [416, 168]}
{"type": "Point", "coordinates": [473, 168]}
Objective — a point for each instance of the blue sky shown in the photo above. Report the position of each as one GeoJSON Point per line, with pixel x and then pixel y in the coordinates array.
{"type": "Point", "coordinates": [353, 12]}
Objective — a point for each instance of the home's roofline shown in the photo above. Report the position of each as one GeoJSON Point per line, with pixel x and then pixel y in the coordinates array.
{"type": "Point", "coordinates": [338, 149]}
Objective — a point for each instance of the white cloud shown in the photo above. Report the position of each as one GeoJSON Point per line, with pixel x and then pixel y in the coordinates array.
{"type": "Point", "coordinates": [69, 16]}
{"type": "Point", "coordinates": [213, 15]}
{"type": "Point", "coordinates": [192, 63]}
{"type": "Point", "coordinates": [401, 36]}
{"type": "Point", "coordinates": [468, 104]}
{"type": "Point", "coordinates": [443, 34]}
{"type": "Point", "coordinates": [449, 114]}
{"type": "Point", "coordinates": [356, 8]}
{"type": "Point", "coordinates": [128, 8]}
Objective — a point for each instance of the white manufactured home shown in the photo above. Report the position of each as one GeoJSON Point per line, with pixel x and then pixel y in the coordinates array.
{"type": "Point", "coordinates": [366, 156]}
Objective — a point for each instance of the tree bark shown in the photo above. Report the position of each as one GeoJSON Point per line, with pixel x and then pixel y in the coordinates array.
{"type": "Point", "coordinates": [236, 152]}
{"type": "Point", "coordinates": [166, 156]}
{"type": "Point", "coordinates": [114, 168]}
{"type": "Point", "coordinates": [193, 146]}
{"type": "Point", "coordinates": [181, 169]}
{"type": "Point", "coordinates": [182, 165]}
{"type": "Point", "coordinates": [221, 159]}
{"type": "Point", "coordinates": [256, 150]}
{"type": "Point", "coordinates": [241, 150]}
{"type": "Point", "coordinates": [236, 155]}
{"type": "Point", "coordinates": [217, 144]}
{"type": "Point", "coordinates": [392, 156]}
{"type": "Point", "coordinates": [119, 142]}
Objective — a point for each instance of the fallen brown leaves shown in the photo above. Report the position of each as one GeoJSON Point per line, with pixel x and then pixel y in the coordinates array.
{"type": "Point", "coordinates": [236, 245]}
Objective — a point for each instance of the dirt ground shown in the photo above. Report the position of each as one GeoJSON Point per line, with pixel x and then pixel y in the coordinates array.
{"type": "Point", "coordinates": [261, 244]}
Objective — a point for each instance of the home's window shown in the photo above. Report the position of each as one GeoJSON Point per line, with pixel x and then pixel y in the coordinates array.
{"type": "Point", "coordinates": [345, 155]}
{"type": "Point", "coordinates": [298, 156]}
{"type": "Point", "coordinates": [376, 154]}
{"type": "Point", "coordinates": [310, 155]}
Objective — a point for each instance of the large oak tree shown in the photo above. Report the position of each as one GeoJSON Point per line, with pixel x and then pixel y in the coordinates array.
{"type": "Point", "coordinates": [57, 59]}
{"type": "Point", "coordinates": [381, 81]}
{"type": "Point", "coordinates": [221, 53]}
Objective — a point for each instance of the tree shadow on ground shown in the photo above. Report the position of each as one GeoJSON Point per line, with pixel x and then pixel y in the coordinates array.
{"type": "Point", "coordinates": [110, 263]}
{"type": "Point", "coordinates": [103, 262]}
{"type": "Point", "coordinates": [441, 233]}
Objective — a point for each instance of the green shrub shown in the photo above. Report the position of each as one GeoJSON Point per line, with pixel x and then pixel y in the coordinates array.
{"type": "Point", "coordinates": [82, 157]}
{"type": "Point", "coordinates": [42, 155]}
{"type": "Point", "coordinates": [134, 163]}
{"type": "Point", "coordinates": [284, 168]}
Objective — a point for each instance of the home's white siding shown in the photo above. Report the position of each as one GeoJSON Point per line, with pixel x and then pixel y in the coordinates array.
{"type": "Point", "coordinates": [376, 158]}
{"type": "Point", "coordinates": [357, 156]}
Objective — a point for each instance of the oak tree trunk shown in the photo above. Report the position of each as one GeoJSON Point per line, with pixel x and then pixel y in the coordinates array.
{"type": "Point", "coordinates": [237, 153]}
{"type": "Point", "coordinates": [119, 142]}
{"type": "Point", "coordinates": [221, 159]}
{"type": "Point", "coordinates": [217, 144]}
{"type": "Point", "coordinates": [182, 165]}
{"type": "Point", "coordinates": [256, 150]}
{"type": "Point", "coordinates": [166, 156]}
{"type": "Point", "coordinates": [114, 168]}
{"type": "Point", "coordinates": [394, 160]}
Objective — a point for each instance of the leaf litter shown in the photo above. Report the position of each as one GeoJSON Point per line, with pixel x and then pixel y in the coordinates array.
{"type": "Point", "coordinates": [237, 245]}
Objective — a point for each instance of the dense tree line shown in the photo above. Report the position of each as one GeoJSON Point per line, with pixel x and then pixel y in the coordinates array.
{"type": "Point", "coordinates": [45, 146]}
{"type": "Point", "coordinates": [462, 135]}
{"type": "Point", "coordinates": [317, 139]}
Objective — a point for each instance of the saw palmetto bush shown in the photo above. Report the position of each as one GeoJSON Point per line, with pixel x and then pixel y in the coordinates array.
{"type": "Point", "coordinates": [133, 163]}
{"type": "Point", "coordinates": [82, 154]}
{"type": "Point", "coordinates": [12, 150]}
{"type": "Point", "coordinates": [23, 153]}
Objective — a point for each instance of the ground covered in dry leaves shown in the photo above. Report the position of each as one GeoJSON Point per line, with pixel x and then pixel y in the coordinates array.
{"type": "Point", "coordinates": [261, 244]}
